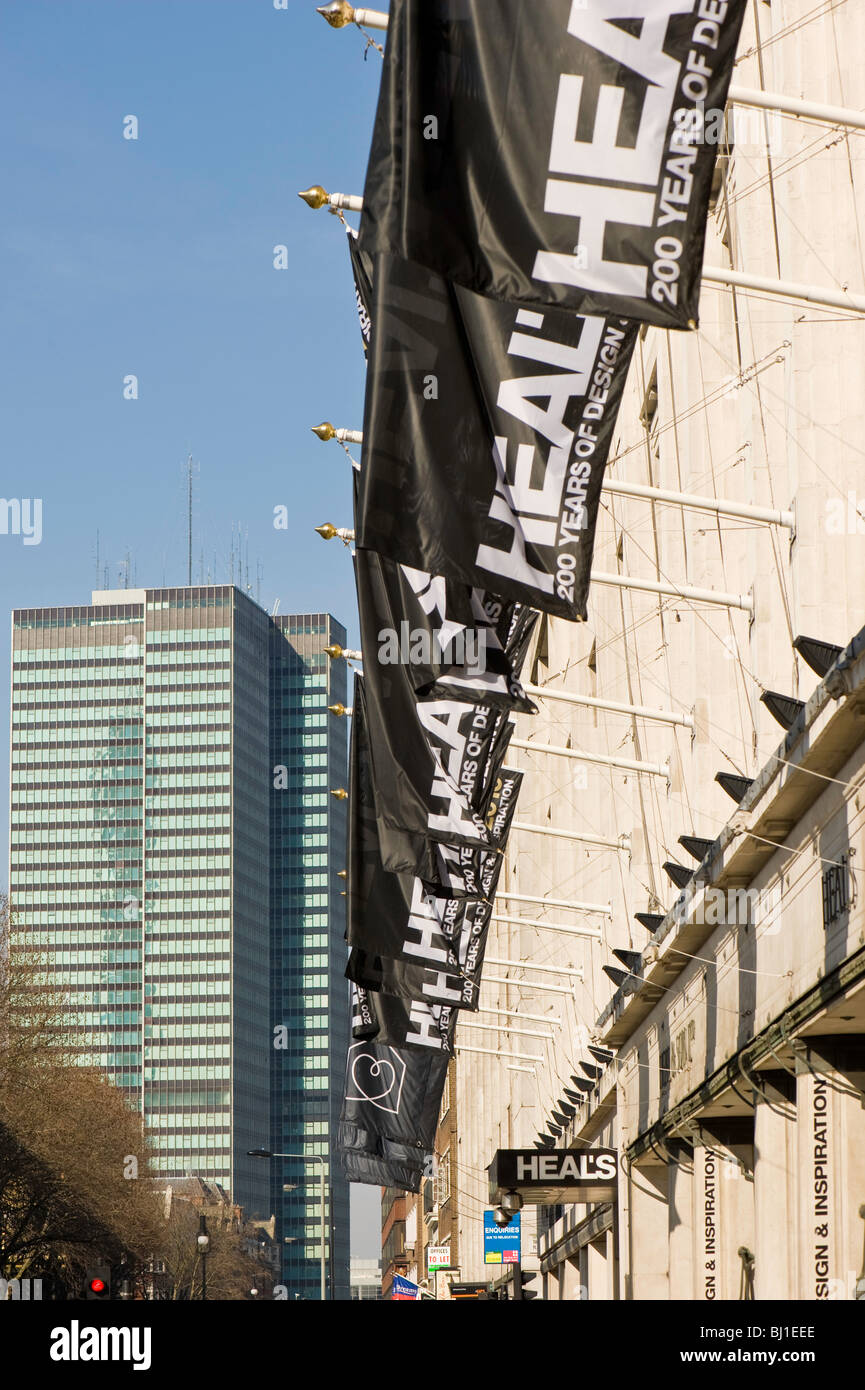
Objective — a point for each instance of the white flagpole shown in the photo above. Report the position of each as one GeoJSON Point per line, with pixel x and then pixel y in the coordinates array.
{"type": "Point", "coordinates": [742, 510]}
{"type": "Point", "coordinates": [529, 984]}
{"type": "Point", "coordinates": [592, 933]}
{"type": "Point", "coordinates": [508, 1028]}
{"type": "Point", "coordinates": [339, 13]}
{"type": "Point", "coordinates": [623, 842]}
{"type": "Point", "coordinates": [626, 764]}
{"type": "Point", "coordinates": [503, 1056]}
{"type": "Point", "coordinates": [621, 581]}
{"type": "Point", "coordinates": [662, 716]}
{"type": "Point", "coordinates": [604, 908]}
{"type": "Point", "coordinates": [517, 1013]}
{"type": "Point", "coordinates": [530, 965]}
{"type": "Point", "coordinates": [316, 197]}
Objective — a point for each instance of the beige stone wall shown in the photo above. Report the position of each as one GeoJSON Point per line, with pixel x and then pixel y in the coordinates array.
{"type": "Point", "coordinates": [764, 404]}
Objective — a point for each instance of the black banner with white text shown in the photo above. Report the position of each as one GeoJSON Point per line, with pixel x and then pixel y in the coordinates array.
{"type": "Point", "coordinates": [486, 433]}
{"type": "Point", "coordinates": [553, 154]}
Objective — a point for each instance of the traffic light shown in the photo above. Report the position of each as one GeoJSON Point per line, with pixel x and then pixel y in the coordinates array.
{"type": "Point", "coordinates": [97, 1284]}
{"type": "Point", "coordinates": [522, 1279]}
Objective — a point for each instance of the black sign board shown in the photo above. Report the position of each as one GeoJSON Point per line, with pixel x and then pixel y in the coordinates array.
{"type": "Point", "coordinates": [835, 895]}
{"type": "Point", "coordinates": [547, 1177]}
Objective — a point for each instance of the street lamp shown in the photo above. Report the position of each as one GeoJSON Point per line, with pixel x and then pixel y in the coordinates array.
{"type": "Point", "coordinates": [203, 1247]}
{"type": "Point", "coordinates": [313, 1158]}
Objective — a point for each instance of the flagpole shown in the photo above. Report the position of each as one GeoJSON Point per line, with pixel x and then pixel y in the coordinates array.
{"type": "Point", "coordinates": [793, 106]}
{"type": "Point", "coordinates": [744, 511]}
{"type": "Point", "coordinates": [592, 933]}
{"type": "Point", "coordinates": [515, 1013]}
{"type": "Point", "coordinates": [685, 591]}
{"type": "Point", "coordinates": [695, 501]}
{"type": "Point", "coordinates": [569, 697]}
{"type": "Point", "coordinates": [786, 289]}
{"type": "Point", "coordinates": [503, 1056]}
{"type": "Point", "coordinates": [623, 842]}
{"type": "Point", "coordinates": [326, 431]}
{"type": "Point", "coordinates": [625, 764]}
{"type": "Point", "coordinates": [316, 197]}
{"type": "Point", "coordinates": [605, 908]}
{"type": "Point", "coordinates": [507, 1028]}
{"type": "Point", "coordinates": [346, 534]}
{"type": "Point", "coordinates": [340, 13]}
{"type": "Point", "coordinates": [530, 984]}
{"type": "Point", "coordinates": [578, 974]}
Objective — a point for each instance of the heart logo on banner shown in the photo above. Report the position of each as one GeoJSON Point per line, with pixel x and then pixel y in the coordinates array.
{"type": "Point", "coordinates": [375, 1079]}
{"type": "Point", "coordinates": [376, 1068]}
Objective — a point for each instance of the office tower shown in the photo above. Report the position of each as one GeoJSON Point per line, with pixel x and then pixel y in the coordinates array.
{"type": "Point", "coordinates": [309, 998]}
{"type": "Point", "coordinates": [141, 848]}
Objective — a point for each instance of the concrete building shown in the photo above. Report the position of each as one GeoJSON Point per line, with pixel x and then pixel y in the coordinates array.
{"type": "Point", "coordinates": [432, 1215]}
{"type": "Point", "coordinates": [365, 1280]}
{"type": "Point", "coordinates": [309, 994]}
{"type": "Point", "coordinates": [737, 1022]}
{"type": "Point", "coordinates": [394, 1257]}
{"type": "Point", "coordinates": [173, 850]}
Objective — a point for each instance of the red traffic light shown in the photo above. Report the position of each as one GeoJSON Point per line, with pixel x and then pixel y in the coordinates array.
{"type": "Point", "coordinates": [97, 1284]}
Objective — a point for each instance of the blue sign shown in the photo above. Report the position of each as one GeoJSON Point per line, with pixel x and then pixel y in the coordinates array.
{"type": "Point", "coordinates": [501, 1243]}
{"type": "Point", "coordinates": [403, 1288]}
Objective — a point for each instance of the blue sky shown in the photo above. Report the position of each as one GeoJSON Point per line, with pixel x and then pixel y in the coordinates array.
{"type": "Point", "coordinates": [154, 257]}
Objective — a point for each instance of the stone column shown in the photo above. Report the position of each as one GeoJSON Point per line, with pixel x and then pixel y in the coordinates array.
{"type": "Point", "coordinates": [775, 1215]}
{"type": "Point", "coordinates": [680, 1180]}
{"type": "Point", "coordinates": [831, 1174]}
{"type": "Point", "coordinates": [648, 1234]}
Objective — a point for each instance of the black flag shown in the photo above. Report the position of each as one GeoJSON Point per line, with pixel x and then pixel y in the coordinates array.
{"type": "Point", "coordinates": [361, 1166]}
{"type": "Point", "coordinates": [519, 635]}
{"type": "Point", "coordinates": [452, 871]}
{"type": "Point", "coordinates": [553, 154]}
{"type": "Point", "coordinates": [453, 640]}
{"type": "Point", "coordinates": [409, 943]}
{"type": "Point", "coordinates": [361, 267]}
{"type": "Point", "coordinates": [401, 918]}
{"type": "Point", "coordinates": [393, 1094]}
{"type": "Point", "coordinates": [430, 760]}
{"type": "Point", "coordinates": [387, 1125]}
{"type": "Point", "coordinates": [486, 433]}
{"type": "Point", "coordinates": [407, 1023]}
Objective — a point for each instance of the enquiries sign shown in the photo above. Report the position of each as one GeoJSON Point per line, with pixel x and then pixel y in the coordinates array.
{"type": "Point", "coordinates": [501, 1243]}
{"type": "Point", "coordinates": [558, 1175]}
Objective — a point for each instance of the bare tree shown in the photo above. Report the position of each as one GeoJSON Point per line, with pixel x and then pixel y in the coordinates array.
{"type": "Point", "coordinates": [74, 1171]}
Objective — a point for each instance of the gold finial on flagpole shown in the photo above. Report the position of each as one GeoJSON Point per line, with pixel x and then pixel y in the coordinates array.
{"type": "Point", "coordinates": [315, 197]}
{"type": "Point", "coordinates": [324, 431]}
{"type": "Point", "coordinates": [338, 13]}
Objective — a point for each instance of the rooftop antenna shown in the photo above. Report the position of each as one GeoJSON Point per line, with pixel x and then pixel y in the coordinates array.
{"type": "Point", "coordinates": [190, 469]}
